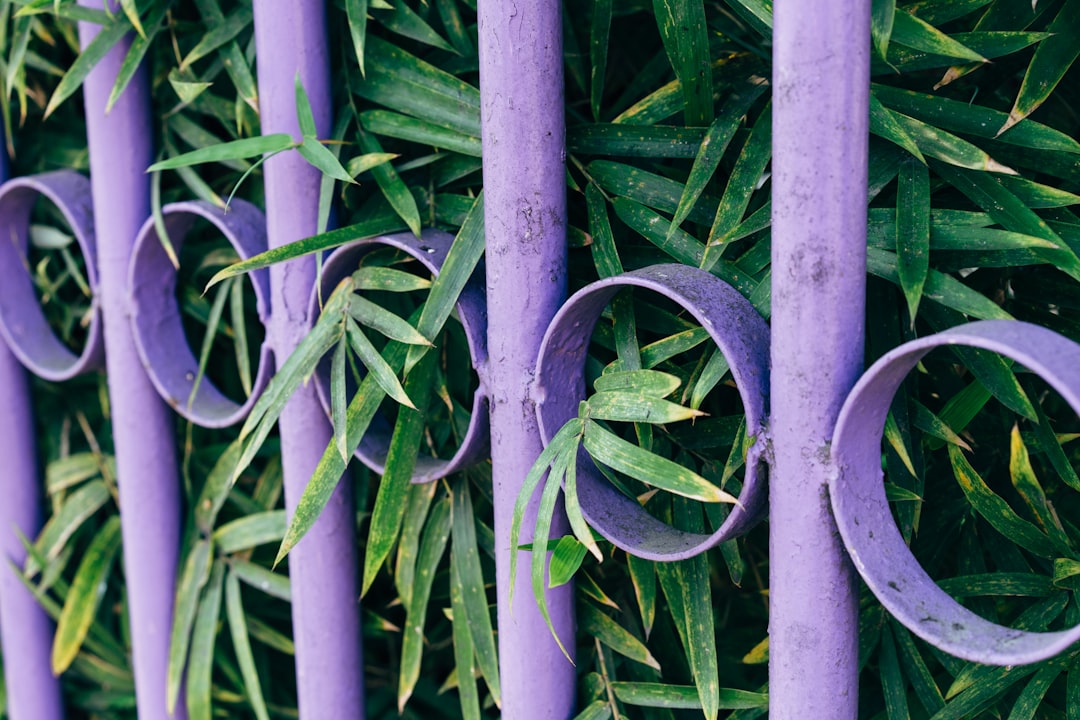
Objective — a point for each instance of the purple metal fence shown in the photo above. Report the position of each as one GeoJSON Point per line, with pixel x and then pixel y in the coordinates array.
{"type": "Point", "coordinates": [824, 436]}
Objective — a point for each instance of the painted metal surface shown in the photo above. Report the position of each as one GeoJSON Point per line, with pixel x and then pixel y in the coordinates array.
{"type": "Point", "coordinates": [743, 338]}
{"type": "Point", "coordinates": [523, 135]}
{"type": "Point", "coordinates": [865, 521]}
{"type": "Point", "coordinates": [291, 40]}
{"type": "Point", "coordinates": [25, 630]}
{"type": "Point", "coordinates": [820, 132]}
{"type": "Point", "coordinates": [430, 249]}
{"type": "Point", "coordinates": [121, 149]}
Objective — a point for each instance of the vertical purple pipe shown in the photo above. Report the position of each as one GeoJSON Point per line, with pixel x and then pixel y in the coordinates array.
{"type": "Point", "coordinates": [143, 429]}
{"type": "Point", "coordinates": [26, 631]}
{"type": "Point", "coordinates": [290, 38]}
{"type": "Point", "coordinates": [820, 125]}
{"type": "Point", "coordinates": [521, 91]}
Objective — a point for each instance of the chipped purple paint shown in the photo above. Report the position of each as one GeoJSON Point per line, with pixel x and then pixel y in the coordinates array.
{"type": "Point", "coordinates": [430, 249]}
{"type": "Point", "coordinates": [865, 521]}
{"type": "Point", "coordinates": [743, 338]}
{"type": "Point", "coordinates": [820, 135]}
{"type": "Point", "coordinates": [22, 321]}
{"type": "Point", "coordinates": [120, 144]}
{"type": "Point", "coordinates": [25, 630]}
{"type": "Point", "coordinates": [155, 313]}
{"type": "Point", "coordinates": [291, 39]}
{"type": "Point", "coordinates": [521, 99]}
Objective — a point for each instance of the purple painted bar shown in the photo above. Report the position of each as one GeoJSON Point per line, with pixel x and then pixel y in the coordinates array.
{"type": "Point", "coordinates": [865, 521]}
{"type": "Point", "coordinates": [291, 38]}
{"type": "Point", "coordinates": [143, 426]}
{"type": "Point", "coordinates": [521, 95]}
{"type": "Point", "coordinates": [820, 131]}
{"type": "Point", "coordinates": [26, 631]}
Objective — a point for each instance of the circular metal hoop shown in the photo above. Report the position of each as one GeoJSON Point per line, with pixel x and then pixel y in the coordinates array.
{"type": "Point", "coordinates": [22, 321]}
{"type": "Point", "coordinates": [155, 314]}
{"type": "Point", "coordinates": [430, 249]}
{"type": "Point", "coordinates": [862, 512]}
{"type": "Point", "coordinates": [741, 335]}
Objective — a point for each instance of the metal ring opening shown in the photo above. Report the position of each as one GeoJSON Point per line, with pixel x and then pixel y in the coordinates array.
{"type": "Point", "coordinates": [430, 249]}
{"type": "Point", "coordinates": [862, 512]}
{"type": "Point", "coordinates": [22, 320]}
{"type": "Point", "coordinates": [739, 332]}
{"type": "Point", "coordinates": [155, 314]}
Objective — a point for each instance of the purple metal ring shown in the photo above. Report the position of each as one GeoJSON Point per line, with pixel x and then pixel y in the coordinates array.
{"type": "Point", "coordinates": [155, 314]}
{"type": "Point", "coordinates": [22, 321]}
{"type": "Point", "coordinates": [741, 335]}
{"type": "Point", "coordinates": [430, 249]}
{"type": "Point", "coordinates": [862, 513]}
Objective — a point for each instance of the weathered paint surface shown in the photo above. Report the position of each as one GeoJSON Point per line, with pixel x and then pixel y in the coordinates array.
{"type": "Point", "coordinates": [521, 91]}
{"type": "Point", "coordinates": [322, 568]}
{"type": "Point", "coordinates": [820, 130]}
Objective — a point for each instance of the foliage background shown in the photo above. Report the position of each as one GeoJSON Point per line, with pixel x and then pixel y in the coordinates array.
{"type": "Point", "coordinates": [964, 223]}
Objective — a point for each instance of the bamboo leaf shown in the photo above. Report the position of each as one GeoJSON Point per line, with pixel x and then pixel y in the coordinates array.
{"type": "Point", "coordinates": [629, 459]}
{"type": "Point", "coordinates": [616, 637]}
{"type": "Point", "coordinates": [400, 465]}
{"type": "Point", "coordinates": [566, 558]}
{"type": "Point", "coordinates": [646, 382]}
{"type": "Point", "coordinates": [660, 695]}
{"type": "Point", "coordinates": [913, 231]}
{"type": "Point", "coordinates": [598, 52]}
{"type": "Point", "coordinates": [538, 555]}
{"type": "Point", "coordinates": [378, 318]}
{"type": "Point", "coordinates": [392, 186]}
{"type": "Point", "coordinates": [203, 635]}
{"type": "Point", "coordinates": [356, 12]}
{"type": "Point", "coordinates": [249, 531]}
{"type": "Point", "coordinates": [684, 30]}
{"type": "Point", "coordinates": [915, 33]}
{"type": "Point", "coordinates": [236, 149]}
{"type": "Point", "coordinates": [323, 160]}
{"type": "Point", "coordinates": [193, 576]}
{"type": "Point", "coordinates": [629, 406]}
{"type": "Point", "coordinates": [431, 551]}
{"type": "Point", "coordinates": [379, 369]}
{"type": "Point", "coordinates": [84, 596]}
{"type": "Point", "coordinates": [234, 610]}
{"type": "Point", "coordinates": [463, 645]}
{"type": "Point", "coordinates": [468, 573]}
{"type": "Point", "coordinates": [106, 39]}
{"type": "Point", "coordinates": [220, 34]}
{"type": "Point", "coordinates": [1052, 59]}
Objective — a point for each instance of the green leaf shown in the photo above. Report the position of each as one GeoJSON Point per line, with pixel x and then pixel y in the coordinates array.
{"type": "Point", "coordinates": [76, 509]}
{"type": "Point", "coordinates": [193, 576]}
{"type": "Point", "coordinates": [431, 551]}
{"type": "Point", "coordinates": [467, 571]}
{"type": "Point", "coordinates": [566, 558]}
{"type": "Point", "coordinates": [84, 596]}
{"type": "Point", "coordinates": [356, 15]}
{"type": "Point", "coordinates": [363, 163]}
{"type": "Point", "coordinates": [403, 127]}
{"type": "Point", "coordinates": [600, 32]}
{"type": "Point", "coordinates": [250, 531]}
{"type": "Point", "coordinates": [323, 160]}
{"type": "Point", "coordinates": [892, 682]}
{"type": "Point", "coordinates": [1027, 485]}
{"type": "Point", "coordinates": [629, 459]}
{"type": "Point", "coordinates": [915, 33]}
{"type": "Point", "coordinates": [648, 141]}
{"type": "Point", "coordinates": [1052, 59]}
{"type": "Point", "coordinates": [185, 87]}
{"type": "Point", "coordinates": [538, 556]}
{"type": "Point", "coordinates": [464, 654]}
{"type": "Point", "coordinates": [884, 124]}
{"type": "Point", "coordinates": [245, 148]}
{"type": "Point", "coordinates": [392, 186]}
{"type": "Point", "coordinates": [385, 322]}
{"type": "Point", "coordinates": [615, 636]}
{"type": "Point", "coordinates": [234, 610]}
{"type": "Point", "coordinates": [404, 21]}
{"type": "Point", "coordinates": [401, 460]}
{"type": "Point", "coordinates": [684, 30]}
{"type": "Point", "coordinates": [881, 24]}
{"type": "Point", "coordinates": [338, 401]}
{"type": "Point", "coordinates": [305, 118]}
{"type": "Point", "coordinates": [137, 52]}
{"type": "Point", "coordinates": [263, 579]}
{"type": "Point", "coordinates": [628, 406]}
{"type": "Point", "coordinates": [201, 660]}
{"type": "Point", "coordinates": [996, 511]}
{"type": "Point", "coordinates": [937, 143]}
{"type": "Point", "coordinates": [220, 34]}
{"type": "Point", "coordinates": [577, 522]}
{"type": "Point", "coordinates": [660, 695]}
{"type": "Point", "coordinates": [378, 368]}
{"type": "Point", "coordinates": [379, 224]}
{"type": "Point", "coordinates": [713, 147]}
{"type": "Point", "coordinates": [565, 441]}
{"type": "Point", "coordinates": [913, 230]}
{"type": "Point", "coordinates": [646, 382]}
{"type": "Point", "coordinates": [375, 277]}
{"type": "Point", "coordinates": [105, 40]}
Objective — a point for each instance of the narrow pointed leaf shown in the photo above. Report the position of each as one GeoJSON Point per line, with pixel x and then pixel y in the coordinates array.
{"type": "Point", "coordinates": [913, 230]}
{"type": "Point", "coordinates": [234, 610]}
{"type": "Point", "coordinates": [245, 148]}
